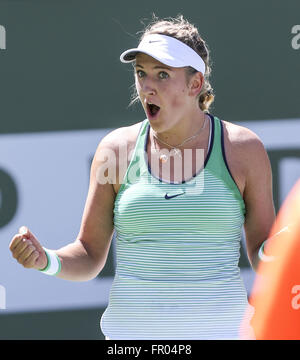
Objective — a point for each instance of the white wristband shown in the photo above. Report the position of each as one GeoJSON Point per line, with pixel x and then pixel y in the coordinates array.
{"type": "Point", "coordinates": [264, 257]}
{"type": "Point", "coordinates": [54, 265]}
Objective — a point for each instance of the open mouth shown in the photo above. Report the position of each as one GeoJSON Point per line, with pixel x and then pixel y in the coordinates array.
{"type": "Point", "coordinates": [152, 110]}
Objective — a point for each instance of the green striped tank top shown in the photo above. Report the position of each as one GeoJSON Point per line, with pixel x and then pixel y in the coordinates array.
{"type": "Point", "coordinates": [177, 274]}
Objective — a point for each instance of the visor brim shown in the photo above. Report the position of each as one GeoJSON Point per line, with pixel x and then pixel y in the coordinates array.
{"type": "Point", "coordinates": [130, 55]}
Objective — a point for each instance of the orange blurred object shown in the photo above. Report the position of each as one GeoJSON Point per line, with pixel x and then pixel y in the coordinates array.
{"type": "Point", "coordinates": [276, 291]}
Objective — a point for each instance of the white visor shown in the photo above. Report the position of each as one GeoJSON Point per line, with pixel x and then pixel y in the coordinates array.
{"type": "Point", "coordinates": [168, 51]}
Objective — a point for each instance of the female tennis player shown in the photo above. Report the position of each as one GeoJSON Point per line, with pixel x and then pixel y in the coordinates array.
{"type": "Point", "coordinates": [178, 233]}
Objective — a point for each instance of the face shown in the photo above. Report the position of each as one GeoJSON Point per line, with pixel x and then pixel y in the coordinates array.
{"type": "Point", "coordinates": [164, 93]}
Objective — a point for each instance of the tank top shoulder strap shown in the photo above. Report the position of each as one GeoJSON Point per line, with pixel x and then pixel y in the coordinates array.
{"type": "Point", "coordinates": [140, 141]}
{"type": "Point", "coordinates": [217, 162]}
{"type": "Point", "coordinates": [138, 152]}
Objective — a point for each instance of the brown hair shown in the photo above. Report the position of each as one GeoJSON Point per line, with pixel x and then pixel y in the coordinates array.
{"type": "Point", "coordinates": [184, 31]}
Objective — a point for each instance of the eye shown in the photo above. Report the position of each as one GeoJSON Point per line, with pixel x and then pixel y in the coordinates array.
{"type": "Point", "coordinates": [140, 73]}
{"type": "Point", "coordinates": [163, 75]}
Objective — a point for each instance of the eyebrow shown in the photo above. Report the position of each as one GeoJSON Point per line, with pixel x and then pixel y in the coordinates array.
{"type": "Point", "coordinates": [155, 67]}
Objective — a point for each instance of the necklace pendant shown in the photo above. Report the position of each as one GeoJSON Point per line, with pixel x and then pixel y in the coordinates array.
{"type": "Point", "coordinates": [163, 158]}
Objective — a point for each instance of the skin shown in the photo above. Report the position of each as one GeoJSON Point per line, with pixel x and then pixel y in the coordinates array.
{"type": "Point", "coordinates": [180, 115]}
{"type": "Point", "coordinates": [179, 118]}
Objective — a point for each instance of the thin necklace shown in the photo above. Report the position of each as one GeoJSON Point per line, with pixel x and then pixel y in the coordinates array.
{"type": "Point", "coordinates": [175, 148]}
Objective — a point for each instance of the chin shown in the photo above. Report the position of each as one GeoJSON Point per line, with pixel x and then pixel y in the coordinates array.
{"type": "Point", "coordinates": [157, 125]}
{"type": "Point", "coordinates": [155, 121]}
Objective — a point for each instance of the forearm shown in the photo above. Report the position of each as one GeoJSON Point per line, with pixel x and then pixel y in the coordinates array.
{"type": "Point", "coordinates": [254, 259]}
{"type": "Point", "coordinates": [77, 263]}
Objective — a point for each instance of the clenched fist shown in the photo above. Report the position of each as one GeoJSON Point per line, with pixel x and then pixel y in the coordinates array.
{"type": "Point", "coordinates": [27, 250]}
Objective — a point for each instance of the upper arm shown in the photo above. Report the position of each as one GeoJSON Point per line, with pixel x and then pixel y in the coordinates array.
{"type": "Point", "coordinates": [258, 196]}
{"type": "Point", "coordinates": [97, 227]}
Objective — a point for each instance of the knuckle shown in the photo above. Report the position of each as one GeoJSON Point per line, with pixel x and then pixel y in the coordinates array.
{"type": "Point", "coordinates": [24, 262]}
{"type": "Point", "coordinates": [19, 260]}
{"type": "Point", "coordinates": [30, 248]}
{"type": "Point", "coordinates": [16, 254]}
{"type": "Point", "coordinates": [29, 262]}
{"type": "Point", "coordinates": [14, 242]}
{"type": "Point", "coordinates": [25, 245]}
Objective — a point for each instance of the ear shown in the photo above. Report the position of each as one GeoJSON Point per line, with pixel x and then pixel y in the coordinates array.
{"type": "Point", "coordinates": [196, 83]}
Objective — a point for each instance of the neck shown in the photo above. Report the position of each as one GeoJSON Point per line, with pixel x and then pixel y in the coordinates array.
{"type": "Point", "coordinates": [183, 131]}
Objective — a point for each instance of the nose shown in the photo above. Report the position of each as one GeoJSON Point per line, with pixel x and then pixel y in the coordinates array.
{"type": "Point", "coordinates": [148, 87]}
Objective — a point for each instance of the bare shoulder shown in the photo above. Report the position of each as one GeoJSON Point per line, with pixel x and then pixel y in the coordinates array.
{"type": "Point", "coordinates": [119, 136]}
{"type": "Point", "coordinates": [240, 135]}
{"type": "Point", "coordinates": [244, 143]}
{"type": "Point", "coordinates": [120, 142]}
{"type": "Point", "coordinates": [245, 154]}
{"type": "Point", "coordinates": [113, 154]}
